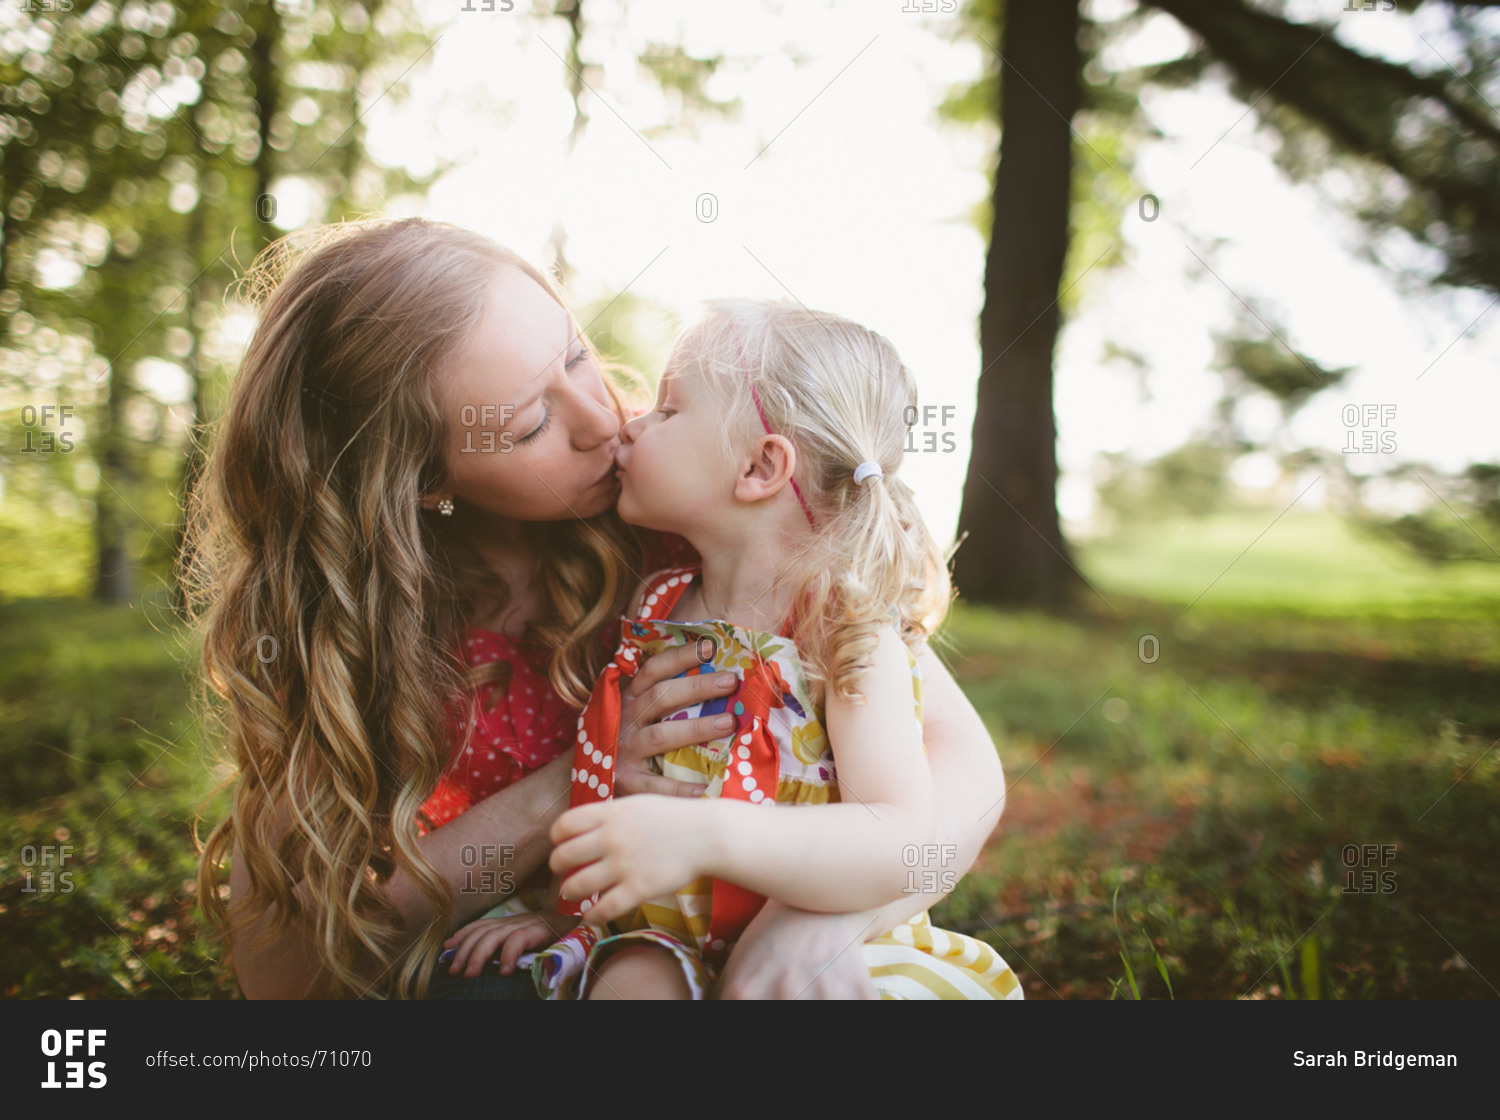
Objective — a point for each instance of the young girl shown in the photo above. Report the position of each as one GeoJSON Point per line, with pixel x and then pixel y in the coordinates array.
{"type": "Point", "coordinates": [774, 450]}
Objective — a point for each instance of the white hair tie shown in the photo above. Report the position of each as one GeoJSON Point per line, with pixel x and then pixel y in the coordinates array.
{"type": "Point", "coordinates": [868, 469]}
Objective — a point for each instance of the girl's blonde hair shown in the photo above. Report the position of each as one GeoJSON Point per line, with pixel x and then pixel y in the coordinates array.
{"type": "Point", "coordinates": [841, 394]}
{"type": "Point", "coordinates": [329, 603]}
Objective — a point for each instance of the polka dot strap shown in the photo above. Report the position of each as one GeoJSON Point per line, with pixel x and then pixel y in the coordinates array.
{"type": "Point", "coordinates": [597, 744]}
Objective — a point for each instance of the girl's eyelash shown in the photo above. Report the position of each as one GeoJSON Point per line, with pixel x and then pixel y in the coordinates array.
{"type": "Point", "coordinates": [576, 358]}
{"type": "Point", "coordinates": [540, 428]}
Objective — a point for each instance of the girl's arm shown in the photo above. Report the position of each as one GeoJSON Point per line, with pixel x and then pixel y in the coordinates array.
{"type": "Point", "coordinates": [785, 952]}
{"type": "Point", "coordinates": [846, 856]}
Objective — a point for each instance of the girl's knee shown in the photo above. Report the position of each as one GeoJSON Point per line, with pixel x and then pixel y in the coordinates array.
{"type": "Point", "coordinates": [640, 972]}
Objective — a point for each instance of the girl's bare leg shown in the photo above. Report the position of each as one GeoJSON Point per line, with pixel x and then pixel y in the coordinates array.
{"type": "Point", "coordinates": [640, 972]}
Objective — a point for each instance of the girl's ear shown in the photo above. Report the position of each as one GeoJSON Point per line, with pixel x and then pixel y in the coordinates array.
{"type": "Point", "coordinates": [771, 466]}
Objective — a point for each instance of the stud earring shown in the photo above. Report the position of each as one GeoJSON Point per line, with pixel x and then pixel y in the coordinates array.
{"type": "Point", "coordinates": [445, 507]}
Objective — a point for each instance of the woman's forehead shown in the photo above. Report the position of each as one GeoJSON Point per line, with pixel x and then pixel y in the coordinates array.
{"type": "Point", "coordinates": [521, 335]}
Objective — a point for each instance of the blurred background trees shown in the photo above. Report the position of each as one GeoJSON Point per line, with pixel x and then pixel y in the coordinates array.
{"type": "Point", "coordinates": [1422, 151]}
{"type": "Point", "coordinates": [145, 148]}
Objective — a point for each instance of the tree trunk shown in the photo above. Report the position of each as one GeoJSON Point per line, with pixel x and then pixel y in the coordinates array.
{"type": "Point", "coordinates": [265, 21]}
{"type": "Point", "coordinates": [1015, 552]}
{"type": "Point", "coordinates": [115, 577]}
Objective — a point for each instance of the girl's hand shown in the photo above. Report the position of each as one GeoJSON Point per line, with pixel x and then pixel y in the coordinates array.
{"type": "Point", "coordinates": [652, 694]}
{"type": "Point", "coordinates": [511, 936]}
{"type": "Point", "coordinates": [629, 851]}
{"type": "Point", "coordinates": [786, 953]}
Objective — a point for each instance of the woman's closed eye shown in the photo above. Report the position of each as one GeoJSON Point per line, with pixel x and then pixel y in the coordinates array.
{"type": "Point", "coordinates": [540, 428]}
{"type": "Point", "coordinates": [576, 358]}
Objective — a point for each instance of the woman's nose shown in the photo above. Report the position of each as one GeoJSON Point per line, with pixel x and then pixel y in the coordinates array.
{"type": "Point", "coordinates": [596, 422]}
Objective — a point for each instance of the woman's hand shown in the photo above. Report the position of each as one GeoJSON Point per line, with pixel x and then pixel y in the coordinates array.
{"type": "Point", "coordinates": [629, 851]}
{"type": "Point", "coordinates": [786, 953]}
{"type": "Point", "coordinates": [654, 693]}
{"type": "Point", "coordinates": [478, 942]}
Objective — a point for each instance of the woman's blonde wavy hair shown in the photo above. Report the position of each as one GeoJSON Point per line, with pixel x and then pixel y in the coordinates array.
{"type": "Point", "coordinates": [842, 395]}
{"type": "Point", "coordinates": [329, 603]}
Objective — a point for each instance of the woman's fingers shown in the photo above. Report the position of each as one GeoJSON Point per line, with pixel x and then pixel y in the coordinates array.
{"type": "Point", "coordinates": [464, 959]}
{"type": "Point", "coordinates": [533, 935]}
{"type": "Point", "coordinates": [485, 947]}
{"type": "Point", "coordinates": [660, 667]}
{"type": "Point", "coordinates": [644, 740]}
{"type": "Point", "coordinates": [648, 698]}
{"type": "Point", "coordinates": [667, 787]}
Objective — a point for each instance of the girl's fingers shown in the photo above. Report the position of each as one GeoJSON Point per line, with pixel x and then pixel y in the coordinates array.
{"type": "Point", "coordinates": [576, 821]}
{"type": "Point", "coordinates": [592, 879]}
{"type": "Point", "coordinates": [614, 903]}
{"type": "Point", "coordinates": [575, 853]}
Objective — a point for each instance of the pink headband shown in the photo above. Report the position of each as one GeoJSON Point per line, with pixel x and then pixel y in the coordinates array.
{"type": "Point", "coordinates": [767, 425]}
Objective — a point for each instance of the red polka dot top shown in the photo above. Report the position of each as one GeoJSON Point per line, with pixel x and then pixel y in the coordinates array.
{"type": "Point", "coordinates": [524, 727]}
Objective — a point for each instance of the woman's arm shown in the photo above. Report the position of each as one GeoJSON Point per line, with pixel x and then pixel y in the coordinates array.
{"type": "Point", "coordinates": [505, 835]}
{"type": "Point", "coordinates": [785, 952]}
{"type": "Point", "coordinates": [503, 838]}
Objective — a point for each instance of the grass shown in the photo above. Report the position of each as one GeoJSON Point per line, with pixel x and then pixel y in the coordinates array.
{"type": "Point", "coordinates": [1178, 825]}
{"type": "Point", "coordinates": [1289, 798]}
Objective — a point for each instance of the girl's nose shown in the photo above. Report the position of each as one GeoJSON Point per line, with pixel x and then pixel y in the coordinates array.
{"type": "Point", "coordinates": [633, 427]}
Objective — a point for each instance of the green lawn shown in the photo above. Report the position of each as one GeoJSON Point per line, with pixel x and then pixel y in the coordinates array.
{"type": "Point", "coordinates": [1327, 709]}
{"type": "Point", "coordinates": [1203, 798]}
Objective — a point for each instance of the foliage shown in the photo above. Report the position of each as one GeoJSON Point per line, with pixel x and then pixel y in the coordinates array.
{"type": "Point", "coordinates": [143, 148]}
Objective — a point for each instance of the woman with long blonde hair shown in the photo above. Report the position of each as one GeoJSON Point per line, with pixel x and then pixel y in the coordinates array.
{"type": "Point", "coordinates": [404, 564]}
